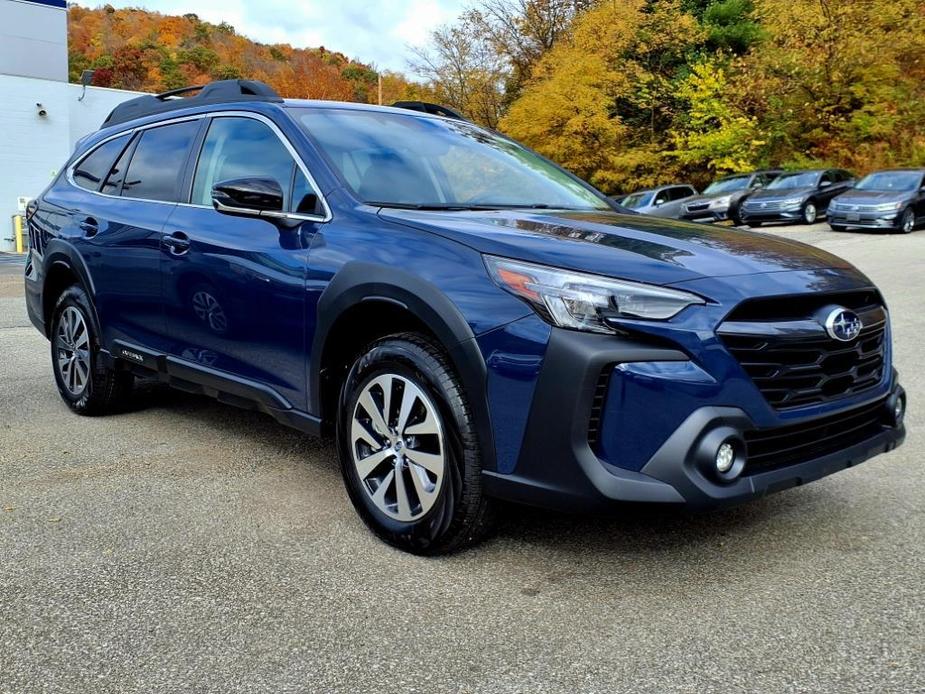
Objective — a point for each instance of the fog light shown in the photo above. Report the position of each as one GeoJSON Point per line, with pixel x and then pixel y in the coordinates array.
{"type": "Point", "coordinates": [725, 457]}
{"type": "Point", "coordinates": [899, 410]}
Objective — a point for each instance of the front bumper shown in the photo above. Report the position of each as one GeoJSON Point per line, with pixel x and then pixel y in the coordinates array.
{"type": "Point", "coordinates": [866, 220]}
{"type": "Point", "coordinates": [706, 215]}
{"type": "Point", "coordinates": [779, 215]}
{"type": "Point", "coordinates": [661, 419]}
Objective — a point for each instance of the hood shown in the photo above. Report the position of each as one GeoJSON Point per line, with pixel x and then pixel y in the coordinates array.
{"type": "Point", "coordinates": [780, 194]}
{"type": "Point", "coordinates": [873, 197]}
{"type": "Point", "coordinates": [635, 247]}
{"type": "Point", "coordinates": [710, 197]}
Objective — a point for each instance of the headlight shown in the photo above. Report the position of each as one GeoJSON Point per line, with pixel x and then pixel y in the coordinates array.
{"type": "Point", "coordinates": [888, 206]}
{"type": "Point", "coordinates": [791, 202]}
{"type": "Point", "coordinates": [721, 202]}
{"type": "Point", "coordinates": [582, 302]}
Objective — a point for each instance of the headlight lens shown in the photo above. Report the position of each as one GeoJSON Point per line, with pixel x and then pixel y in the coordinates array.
{"type": "Point", "coordinates": [582, 302]}
{"type": "Point", "coordinates": [791, 202]}
{"type": "Point", "coordinates": [888, 206]}
{"type": "Point", "coordinates": [721, 202]}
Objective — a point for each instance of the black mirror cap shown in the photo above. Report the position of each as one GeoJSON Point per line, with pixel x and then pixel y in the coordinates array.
{"type": "Point", "coordinates": [248, 196]}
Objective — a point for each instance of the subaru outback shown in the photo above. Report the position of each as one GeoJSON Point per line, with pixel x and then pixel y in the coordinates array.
{"type": "Point", "coordinates": [470, 322]}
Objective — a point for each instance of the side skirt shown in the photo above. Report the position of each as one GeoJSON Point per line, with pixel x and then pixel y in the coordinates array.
{"type": "Point", "coordinates": [202, 380]}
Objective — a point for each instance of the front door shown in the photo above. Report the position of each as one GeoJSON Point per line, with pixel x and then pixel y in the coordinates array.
{"type": "Point", "coordinates": [235, 285]}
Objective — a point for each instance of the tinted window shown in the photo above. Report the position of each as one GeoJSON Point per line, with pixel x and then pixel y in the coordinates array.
{"type": "Point", "coordinates": [636, 200]}
{"type": "Point", "coordinates": [807, 179]}
{"type": "Point", "coordinates": [157, 165]}
{"type": "Point", "coordinates": [117, 173]}
{"type": "Point", "coordinates": [680, 192]}
{"type": "Point", "coordinates": [246, 148]}
{"type": "Point", "coordinates": [91, 171]}
{"type": "Point", "coordinates": [304, 198]}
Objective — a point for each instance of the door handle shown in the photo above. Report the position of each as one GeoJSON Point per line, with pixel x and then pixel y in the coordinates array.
{"type": "Point", "coordinates": [177, 243]}
{"type": "Point", "coordinates": [89, 226]}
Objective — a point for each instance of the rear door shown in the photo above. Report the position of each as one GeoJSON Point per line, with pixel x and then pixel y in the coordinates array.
{"type": "Point", "coordinates": [114, 222]}
{"type": "Point", "coordinates": [235, 288]}
{"type": "Point", "coordinates": [137, 198]}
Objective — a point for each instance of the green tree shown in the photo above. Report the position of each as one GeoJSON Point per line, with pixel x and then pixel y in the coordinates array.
{"type": "Point", "coordinates": [713, 134]}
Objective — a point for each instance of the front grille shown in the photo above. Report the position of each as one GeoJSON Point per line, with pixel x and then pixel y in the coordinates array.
{"type": "Point", "coordinates": [762, 206]}
{"type": "Point", "coordinates": [797, 443]}
{"type": "Point", "coordinates": [700, 207]}
{"type": "Point", "coordinates": [793, 369]}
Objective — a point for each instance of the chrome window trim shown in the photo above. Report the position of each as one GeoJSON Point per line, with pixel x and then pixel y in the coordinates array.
{"type": "Point", "coordinates": [326, 217]}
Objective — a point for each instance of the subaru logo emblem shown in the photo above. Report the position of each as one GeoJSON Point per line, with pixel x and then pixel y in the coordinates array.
{"type": "Point", "coordinates": [843, 325]}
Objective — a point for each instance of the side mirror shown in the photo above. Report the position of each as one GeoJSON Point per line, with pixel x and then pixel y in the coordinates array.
{"type": "Point", "coordinates": [248, 196]}
{"type": "Point", "coordinates": [659, 203]}
{"type": "Point", "coordinates": [825, 184]}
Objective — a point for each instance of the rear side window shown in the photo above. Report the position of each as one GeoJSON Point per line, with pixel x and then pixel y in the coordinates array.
{"type": "Point", "coordinates": [117, 173]}
{"type": "Point", "coordinates": [92, 169]}
{"type": "Point", "coordinates": [681, 192]}
{"type": "Point", "coordinates": [157, 164]}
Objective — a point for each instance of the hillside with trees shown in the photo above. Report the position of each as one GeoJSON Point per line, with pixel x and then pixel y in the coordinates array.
{"type": "Point", "coordinates": [634, 93]}
{"type": "Point", "coordinates": [625, 93]}
{"type": "Point", "coordinates": [141, 50]}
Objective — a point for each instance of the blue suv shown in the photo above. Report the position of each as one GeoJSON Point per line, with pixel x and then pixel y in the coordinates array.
{"type": "Point", "coordinates": [471, 322]}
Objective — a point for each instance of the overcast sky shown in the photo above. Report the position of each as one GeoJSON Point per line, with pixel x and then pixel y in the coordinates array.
{"type": "Point", "coordinates": [372, 31]}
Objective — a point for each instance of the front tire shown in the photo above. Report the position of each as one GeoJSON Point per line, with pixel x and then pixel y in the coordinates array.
{"type": "Point", "coordinates": [408, 448]}
{"type": "Point", "coordinates": [810, 213]}
{"type": "Point", "coordinates": [907, 222]}
{"type": "Point", "coordinates": [85, 383]}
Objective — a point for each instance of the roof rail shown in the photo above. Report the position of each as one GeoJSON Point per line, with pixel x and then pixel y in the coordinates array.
{"type": "Point", "coordinates": [426, 107]}
{"type": "Point", "coordinates": [212, 93]}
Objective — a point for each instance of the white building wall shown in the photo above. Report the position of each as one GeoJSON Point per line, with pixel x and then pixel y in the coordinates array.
{"type": "Point", "coordinates": [33, 38]}
{"type": "Point", "coordinates": [33, 147]}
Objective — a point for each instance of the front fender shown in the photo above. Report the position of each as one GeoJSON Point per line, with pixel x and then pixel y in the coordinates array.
{"type": "Point", "coordinates": [357, 282]}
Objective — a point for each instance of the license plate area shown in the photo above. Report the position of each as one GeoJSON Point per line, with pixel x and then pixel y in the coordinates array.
{"type": "Point", "coordinates": [854, 217]}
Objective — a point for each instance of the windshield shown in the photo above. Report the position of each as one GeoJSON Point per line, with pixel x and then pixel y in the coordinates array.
{"type": "Point", "coordinates": [798, 180]}
{"type": "Point", "coordinates": [416, 161]}
{"type": "Point", "coordinates": [898, 181]}
{"type": "Point", "coordinates": [636, 200]}
{"type": "Point", "coordinates": [727, 185]}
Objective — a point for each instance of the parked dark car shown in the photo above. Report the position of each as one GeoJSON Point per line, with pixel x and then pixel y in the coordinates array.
{"type": "Point", "coordinates": [722, 198]}
{"type": "Point", "coordinates": [466, 319]}
{"type": "Point", "coordinates": [891, 200]}
{"type": "Point", "coordinates": [798, 196]}
{"type": "Point", "coordinates": [663, 201]}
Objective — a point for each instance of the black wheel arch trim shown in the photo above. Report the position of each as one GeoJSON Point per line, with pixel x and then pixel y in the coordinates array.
{"type": "Point", "coordinates": [59, 253]}
{"type": "Point", "coordinates": [360, 282]}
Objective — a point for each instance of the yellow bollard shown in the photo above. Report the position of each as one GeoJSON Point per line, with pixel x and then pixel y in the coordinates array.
{"type": "Point", "coordinates": [17, 233]}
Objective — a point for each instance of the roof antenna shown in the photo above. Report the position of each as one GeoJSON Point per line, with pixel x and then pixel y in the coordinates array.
{"type": "Point", "coordinates": [85, 78]}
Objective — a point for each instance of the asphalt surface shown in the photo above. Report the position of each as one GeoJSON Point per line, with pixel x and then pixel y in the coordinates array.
{"type": "Point", "coordinates": [192, 547]}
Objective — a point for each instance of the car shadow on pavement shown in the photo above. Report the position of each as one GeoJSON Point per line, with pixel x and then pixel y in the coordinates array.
{"type": "Point", "coordinates": [645, 532]}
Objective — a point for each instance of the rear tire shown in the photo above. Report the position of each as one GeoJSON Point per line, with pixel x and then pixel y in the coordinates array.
{"type": "Point", "coordinates": [85, 383]}
{"type": "Point", "coordinates": [413, 467]}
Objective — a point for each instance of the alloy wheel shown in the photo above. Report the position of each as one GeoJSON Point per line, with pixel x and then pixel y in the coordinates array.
{"type": "Point", "coordinates": [809, 213]}
{"type": "Point", "coordinates": [397, 447]}
{"type": "Point", "coordinates": [72, 349]}
{"type": "Point", "coordinates": [908, 223]}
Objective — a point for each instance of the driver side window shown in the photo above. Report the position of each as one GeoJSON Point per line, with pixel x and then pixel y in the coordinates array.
{"type": "Point", "coordinates": [238, 147]}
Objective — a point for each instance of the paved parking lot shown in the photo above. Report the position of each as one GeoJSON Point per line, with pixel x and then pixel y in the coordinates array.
{"type": "Point", "coordinates": [192, 547]}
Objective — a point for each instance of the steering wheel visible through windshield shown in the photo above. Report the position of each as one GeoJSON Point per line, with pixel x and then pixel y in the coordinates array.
{"type": "Point", "coordinates": [410, 160]}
